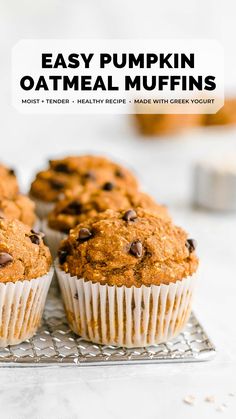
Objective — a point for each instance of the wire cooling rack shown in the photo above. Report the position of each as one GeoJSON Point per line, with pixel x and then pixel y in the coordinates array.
{"type": "Point", "coordinates": [55, 344]}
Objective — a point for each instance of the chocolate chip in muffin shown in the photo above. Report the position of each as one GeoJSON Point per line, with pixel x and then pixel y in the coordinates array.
{"type": "Point", "coordinates": [191, 245]}
{"type": "Point", "coordinates": [108, 186]}
{"type": "Point", "coordinates": [76, 297]}
{"type": "Point", "coordinates": [62, 168]}
{"type": "Point", "coordinates": [5, 258]}
{"type": "Point", "coordinates": [119, 173]}
{"type": "Point", "coordinates": [38, 233]}
{"type": "Point", "coordinates": [84, 234]}
{"type": "Point", "coordinates": [74, 208]}
{"type": "Point", "coordinates": [56, 184]}
{"type": "Point", "coordinates": [35, 239]}
{"type": "Point", "coordinates": [90, 175]}
{"type": "Point", "coordinates": [130, 215]}
{"type": "Point", "coordinates": [136, 248]}
{"type": "Point", "coordinates": [12, 172]}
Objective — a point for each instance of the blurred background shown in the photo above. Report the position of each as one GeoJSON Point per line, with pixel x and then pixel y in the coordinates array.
{"type": "Point", "coordinates": [162, 154]}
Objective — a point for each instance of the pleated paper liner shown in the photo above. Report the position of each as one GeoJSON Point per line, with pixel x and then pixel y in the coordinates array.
{"type": "Point", "coordinates": [21, 308]}
{"type": "Point", "coordinates": [122, 316]}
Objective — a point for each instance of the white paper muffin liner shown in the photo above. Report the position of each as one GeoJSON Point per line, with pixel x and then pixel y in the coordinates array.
{"type": "Point", "coordinates": [42, 208]}
{"type": "Point", "coordinates": [21, 308]}
{"type": "Point", "coordinates": [52, 238]}
{"type": "Point", "coordinates": [122, 316]}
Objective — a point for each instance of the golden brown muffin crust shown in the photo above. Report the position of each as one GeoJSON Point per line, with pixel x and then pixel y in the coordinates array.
{"type": "Point", "coordinates": [23, 255]}
{"type": "Point", "coordinates": [72, 171]}
{"type": "Point", "coordinates": [225, 116]}
{"type": "Point", "coordinates": [166, 124]}
{"type": "Point", "coordinates": [8, 183]}
{"type": "Point", "coordinates": [19, 208]}
{"type": "Point", "coordinates": [143, 251]}
{"type": "Point", "coordinates": [76, 208]}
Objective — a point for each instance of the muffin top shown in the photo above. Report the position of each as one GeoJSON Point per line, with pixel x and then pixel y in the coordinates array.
{"type": "Point", "coordinates": [18, 208]}
{"type": "Point", "coordinates": [8, 183]}
{"type": "Point", "coordinates": [69, 172]}
{"type": "Point", "coordinates": [77, 207]}
{"type": "Point", "coordinates": [115, 248]}
{"type": "Point", "coordinates": [23, 255]}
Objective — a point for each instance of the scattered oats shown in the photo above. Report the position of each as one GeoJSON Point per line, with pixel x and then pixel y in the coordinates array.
{"type": "Point", "coordinates": [220, 408]}
{"type": "Point", "coordinates": [189, 400]}
{"type": "Point", "coordinates": [210, 399]}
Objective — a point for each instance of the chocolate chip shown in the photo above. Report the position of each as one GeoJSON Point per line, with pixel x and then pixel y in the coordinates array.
{"type": "Point", "coordinates": [108, 186]}
{"type": "Point", "coordinates": [191, 245]}
{"type": "Point", "coordinates": [56, 184]}
{"type": "Point", "coordinates": [38, 233]}
{"type": "Point", "coordinates": [130, 215]}
{"type": "Point", "coordinates": [74, 208]}
{"type": "Point", "coordinates": [65, 230]}
{"type": "Point", "coordinates": [35, 239]}
{"type": "Point", "coordinates": [136, 248]}
{"type": "Point", "coordinates": [84, 234]}
{"type": "Point", "coordinates": [62, 255]}
{"type": "Point", "coordinates": [119, 173]}
{"type": "Point", "coordinates": [62, 168]}
{"type": "Point", "coordinates": [5, 258]}
{"type": "Point", "coordinates": [90, 175]}
{"type": "Point", "coordinates": [12, 172]}
{"type": "Point", "coordinates": [76, 297]}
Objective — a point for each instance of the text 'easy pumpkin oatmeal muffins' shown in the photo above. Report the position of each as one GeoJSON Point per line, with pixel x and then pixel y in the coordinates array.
{"type": "Point", "coordinates": [127, 278]}
{"type": "Point", "coordinates": [76, 208]}
{"type": "Point", "coordinates": [25, 276]}
{"type": "Point", "coordinates": [70, 172]}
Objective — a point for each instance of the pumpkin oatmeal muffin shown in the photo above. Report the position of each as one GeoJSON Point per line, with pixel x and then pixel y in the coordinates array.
{"type": "Point", "coordinates": [75, 209]}
{"type": "Point", "coordinates": [73, 171]}
{"type": "Point", "coordinates": [166, 124]}
{"type": "Point", "coordinates": [18, 208]}
{"type": "Point", "coordinates": [25, 276]}
{"type": "Point", "coordinates": [127, 279]}
{"type": "Point", "coordinates": [8, 183]}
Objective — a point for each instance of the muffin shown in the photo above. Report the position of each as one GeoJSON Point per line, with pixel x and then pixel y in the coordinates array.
{"type": "Point", "coordinates": [225, 116]}
{"type": "Point", "coordinates": [25, 276]}
{"type": "Point", "coordinates": [8, 183]}
{"type": "Point", "coordinates": [166, 124]}
{"type": "Point", "coordinates": [18, 208]}
{"type": "Point", "coordinates": [70, 172]}
{"type": "Point", "coordinates": [75, 209]}
{"type": "Point", "coordinates": [127, 281]}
